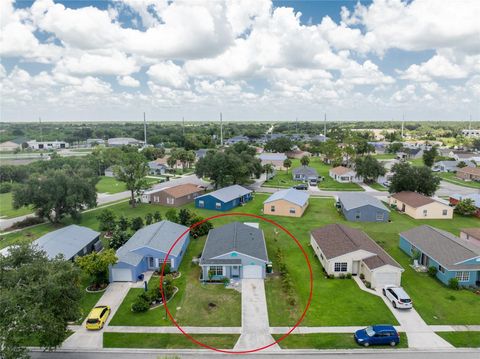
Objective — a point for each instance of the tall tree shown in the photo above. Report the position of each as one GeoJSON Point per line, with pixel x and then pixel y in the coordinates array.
{"type": "Point", "coordinates": [330, 149]}
{"type": "Point", "coordinates": [415, 179]}
{"type": "Point", "coordinates": [287, 163]}
{"type": "Point", "coordinates": [107, 220]}
{"type": "Point", "coordinates": [369, 168]}
{"type": "Point", "coordinates": [429, 156]}
{"type": "Point", "coordinates": [305, 160]}
{"type": "Point", "coordinates": [281, 144]}
{"type": "Point", "coordinates": [132, 171]}
{"type": "Point", "coordinates": [38, 297]}
{"type": "Point", "coordinates": [267, 168]}
{"type": "Point", "coordinates": [96, 266]}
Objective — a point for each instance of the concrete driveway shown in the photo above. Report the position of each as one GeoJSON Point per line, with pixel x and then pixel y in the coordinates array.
{"type": "Point", "coordinates": [255, 325]}
{"type": "Point", "coordinates": [86, 339]}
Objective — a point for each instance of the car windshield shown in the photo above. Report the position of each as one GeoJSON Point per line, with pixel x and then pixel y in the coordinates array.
{"type": "Point", "coordinates": [92, 320]}
{"type": "Point", "coordinates": [370, 332]}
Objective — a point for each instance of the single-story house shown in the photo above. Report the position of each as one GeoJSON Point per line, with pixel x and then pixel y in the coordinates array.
{"type": "Point", "coordinates": [453, 257]}
{"type": "Point", "coordinates": [47, 145]}
{"type": "Point", "coordinates": [471, 234]}
{"type": "Point", "coordinates": [9, 146]}
{"type": "Point", "coordinates": [298, 154]}
{"type": "Point", "coordinates": [156, 169]}
{"type": "Point", "coordinates": [464, 156]}
{"type": "Point", "coordinates": [468, 173]}
{"type": "Point", "coordinates": [164, 161]}
{"type": "Point", "coordinates": [344, 175]}
{"type": "Point", "coordinates": [237, 139]}
{"type": "Point", "coordinates": [288, 202]}
{"type": "Point", "coordinates": [201, 153]}
{"type": "Point", "coordinates": [450, 166]}
{"type": "Point", "coordinates": [361, 207]}
{"type": "Point", "coordinates": [109, 172]}
{"type": "Point", "coordinates": [146, 196]}
{"type": "Point", "coordinates": [342, 249]}
{"type": "Point", "coordinates": [70, 242]}
{"type": "Point", "coordinates": [147, 250]}
{"type": "Point", "coordinates": [410, 153]}
{"type": "Point", "coordinates": [319, 138]}
{"type": "Point", "coordinates": [305, 173]}
{"type": "Point", "coordinates": [177, 195]}
{"type": "Point", "coordinates": [235, 250]}
{"type": "Point", "coordinates": [224, 198]}
{"type": "Point", "coordinates": [418, 206]}
{"type": "Point", "coordinates": [475, 197]}
{"type": "Point", "coordinates": [275, 159]}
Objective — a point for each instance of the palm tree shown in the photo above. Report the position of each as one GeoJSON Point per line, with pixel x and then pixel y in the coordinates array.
{"type": "Point", "coordinates": [287, 163]}
{"type": "Point", "coordinates": [305, 160]}
{"type": "Point", "coordinates": [267, 168]}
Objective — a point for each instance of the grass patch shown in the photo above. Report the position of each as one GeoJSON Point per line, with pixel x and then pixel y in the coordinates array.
{"type": "Point", "coordinates": [88, 300]}
{"type": "Point", "coordinates": [385, 156]}
{"type": "Point", "coordinates": [112, 185]}
{"type": "Point", "coordinates": [329, 341]}
{"type": "Point", "coordinates": [450, 177]}
{"type": "Point", "coordinates": [462, 339]}
{"type": "Point", "coordinates": [377, 186]}
{"type": "Point", "coordinates": [6, 207]}
{"type": "Point", "coordinates": [167, 341]}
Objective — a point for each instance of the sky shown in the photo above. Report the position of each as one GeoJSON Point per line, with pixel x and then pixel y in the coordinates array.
{"type": "Point", "coordinates": [257, 60]}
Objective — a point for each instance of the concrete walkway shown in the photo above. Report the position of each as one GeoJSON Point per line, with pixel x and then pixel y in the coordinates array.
{"type": "Point", "coordinates": [255, 326]}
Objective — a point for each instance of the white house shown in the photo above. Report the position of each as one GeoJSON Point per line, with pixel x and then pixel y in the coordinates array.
{"type": "Point", "coordinates": [344, 175]}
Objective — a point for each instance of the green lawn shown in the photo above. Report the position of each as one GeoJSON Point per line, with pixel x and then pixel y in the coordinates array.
{"type": "Point", "coordinates": [167, 341]}
{"type": "Point", "coordinates": [328, 341]}
{"type": "Point", "coordinates": [385, 156]}
{"type": "Point", "coordinates": [88, 300]}
{"type": "Point", "coordinates": [283, 179]}
{"type": "Point", "coordinates": [462, 339]}
{"type": "Point", "coordinates": [112, 185]}
{"type": "Point", "coordinates": [6, 208]}
{"type": "Point", "coordinates": [418, 162]}
{"type": "Point", "coordinates": [450, 177]}
{"type": "Point", "coordinates": [378, 187]}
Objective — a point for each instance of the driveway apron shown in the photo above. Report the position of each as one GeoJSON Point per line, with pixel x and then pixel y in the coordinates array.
{"type": "Point", "coordinates": [255, 325]}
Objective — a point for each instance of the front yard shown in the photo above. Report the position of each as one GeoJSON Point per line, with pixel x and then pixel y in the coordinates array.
{"type": "Point", "coordinates": [6, 207]}
{"type": "Point", "coordinates": [450, 177]}
{"type": "Point", "coordinates": [462, 339]}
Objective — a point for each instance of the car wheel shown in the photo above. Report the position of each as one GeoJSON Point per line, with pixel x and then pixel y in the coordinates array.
{"type": "Point", "coordinates": [393, 344]}
{"type": "Point", "coordinates": [366, 344]}
{"type": "Point", "coordinates": [384, 293]}
{"type": "Point", "coordinates": [394, 304]}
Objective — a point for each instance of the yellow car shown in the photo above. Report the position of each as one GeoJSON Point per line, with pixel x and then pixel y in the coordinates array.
{"type": "Point", "coordinates": [97, 317]}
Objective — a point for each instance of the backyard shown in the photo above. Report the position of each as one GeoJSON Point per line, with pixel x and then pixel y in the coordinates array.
{"type": "Point", "coordinates": [450, 177]}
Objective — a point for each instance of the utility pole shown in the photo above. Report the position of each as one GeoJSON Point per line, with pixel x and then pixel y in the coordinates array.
{"type": "Point", "coordinates": [296, 124]}
{"type": "Point", "coordinates": [403, 122]}
{"type": "Point", "coordinates": [221, 131]}
{"type": "Point", "coordinates": [183, 126]}
{"type": "Point", "coordinates": [145, 130]}
{"type": "Point", "coordinates": [470, 123]}
{"type": "Point", "coordinates": [41, 129]}
{"type": "Point", "coordinates": [325, 125]}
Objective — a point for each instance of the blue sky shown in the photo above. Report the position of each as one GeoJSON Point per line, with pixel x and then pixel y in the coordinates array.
{"type": "Point", "coordinates": [252, 60]}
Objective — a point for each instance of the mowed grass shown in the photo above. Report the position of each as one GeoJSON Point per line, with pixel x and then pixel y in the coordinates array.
{"type": "Point", "coordinates": [88, 300]}
{"type": "Point", "coordinates": [378, 187]}
{"type": "Point", "coordinates": [167, 341]}
{"type": "Point", "coordinates": [190, 306]}
{"type": "Point", "coordinates": [329, 341]}
{"type": "Point", "coordinates": [7, 210]}
{"type": "Point", "coordinates": [462, 339]}
{"type": "Point", "coordinates": [112, 185]}
{"type": "Point", "coordinates": [450, 177]}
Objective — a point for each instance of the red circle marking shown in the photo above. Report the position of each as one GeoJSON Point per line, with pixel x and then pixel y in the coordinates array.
{"type": "Point", "coordinates": [242, 351]}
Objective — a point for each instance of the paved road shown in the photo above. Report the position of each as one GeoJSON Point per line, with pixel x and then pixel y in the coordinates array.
{"type": "Point", "coordinates": [448, 188]}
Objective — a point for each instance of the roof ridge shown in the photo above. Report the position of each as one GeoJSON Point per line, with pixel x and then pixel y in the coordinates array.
{"type": "Point", "coordinates": [156, 231]}
{"type": "Point", "coordinates": [455, 239]}
{"type": "Point", "coordinates": [346, 234]}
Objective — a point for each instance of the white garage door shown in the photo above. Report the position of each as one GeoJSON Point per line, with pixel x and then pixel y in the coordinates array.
{"type": "Point", "coordinates": [381, 279]}
{"type": "Point", "coordinates": [252, 271]}
{"type": "Point", "coordinates": [121, 275]}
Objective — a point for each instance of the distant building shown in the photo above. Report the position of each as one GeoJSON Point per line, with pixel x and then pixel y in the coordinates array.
{"type": "Point", "coordinates": [361, 207]}
{"type": "Point", "coordinates": [201, 153]}
{"type": "Point", "coordinates": [464, 156]}
{"type": "Point", "coordinates": [305, 173]}
{"type": "Point", "coordinates": [175, 196]}
{"type": "Point", "coordinates": [450, 166]}
{"type": "Point", "coordinates": [275, 159]}
{"type": "Point", "coordinates": [91, 142]}
{"type": "Point", "coordinates": [237, 139]}
{"type": "Point", "coordinates": [47, 145]}
{"type": "Point", "coordinates": [156, 169]}
{"type": "Point", "coordinates": [319, 138]}
{"type": "Point", "coordinates": [9, 146]}
{"type": "Point", "coordinates": [468, 173]}
{"type": "Point", "coordinates": [123, 141]}
{"type": "Point", "coordinates": [471, 133]}
{"type": "Point", "coordinates": [298, 154]}
{"type": "Point", "coordinates": [475, 197]}
{"type": "Point", "coordinates": [344, 175]}
{"type": "Point", "coordinates": [109, 172]}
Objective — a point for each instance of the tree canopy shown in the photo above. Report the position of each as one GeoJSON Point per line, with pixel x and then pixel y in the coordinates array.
{"type": "Point", "coordinates": [415, 179]}
{"type": "Point", "coordinates": [132, 170]}
{"type": "Point", "coordinates": [281, 144]}
{"type": "Point", "coordinates": [429, 156]}
{"type": "Point", "coordinates": [369, 168]}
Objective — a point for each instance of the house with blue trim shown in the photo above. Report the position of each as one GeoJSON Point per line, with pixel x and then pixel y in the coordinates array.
{"type": "Point", "coordinates": [224, 199]}
{"type": "Point", "coordinates": [361, 207]}
{"type": "Point", "coordinates": [147, 250]}
{"type": "Point", "coordinates": [452, 256]}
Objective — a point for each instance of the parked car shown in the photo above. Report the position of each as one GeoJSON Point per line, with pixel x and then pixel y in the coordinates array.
{"type": "Point", "coordinates": [377, 335]}
{"type": "Point", "coordinates": [97, 317]}
{"type": "Point", "coordinates": [313, 182]}
{"type": "Point", "coordinates": [397, 296]}
{"type": "Point", "coordinates": [301, 186]}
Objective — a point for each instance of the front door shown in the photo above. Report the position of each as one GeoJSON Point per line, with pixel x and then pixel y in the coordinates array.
{"type": "Point", "coordinates": [424, 260]}
{"type": "Point", "coordinates": [355, 267]}
{"type": "Point", "coordinates": [235, 271]}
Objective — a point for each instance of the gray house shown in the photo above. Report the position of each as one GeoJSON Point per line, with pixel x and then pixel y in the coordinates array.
{"type": "Point", "coordinates": [235, 250]}
{"type": "Point", "coordinates": [155, 168]}
{"type": "Point", "coordinates": [305, 173]}
{"type": "Point", "coordinates": [361, 207]}
{"type": "Point", "coordinates": [70, 242]}
{"type": "Point", "coordinates": [450, 166]}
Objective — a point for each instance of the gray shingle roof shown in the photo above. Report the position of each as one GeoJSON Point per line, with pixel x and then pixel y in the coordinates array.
{"type": "Point", "coordinates": [67, 241]}
{"type": "Point", "coordinates": [306, 171]}
{"type": "Point", "coordinates": [291, 195]}
{"type": "Point", "coordinates": [159, 236]}
{"type": "Point", "coordinates": [237, 237]}
{"type": "Point", "coordinates": [228, 193]}
{"type": "Point", "coordinates": [266, 156]}
{"type": "Point", "coordinates": [355, 200]}
{"type": "Point", "coordinates": [443, 247]}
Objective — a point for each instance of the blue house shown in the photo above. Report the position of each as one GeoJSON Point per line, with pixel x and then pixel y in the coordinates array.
{"type": "Point", "coordinates": [452, 256]}
{"type": "Point", "coordinates": [224, 199]}
{"type": "Point", "coordinates": [147, 249]}
{"type": "Point", "coordinates": [361, 207]}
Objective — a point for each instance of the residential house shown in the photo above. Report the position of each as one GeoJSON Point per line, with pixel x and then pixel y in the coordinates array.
{"type": "Point", "coordinates": [237, 139]}
{"type": "Point", "coordinates": [298, 154]}
{"type": "Point", "coordinates": [471, 234]}
{"type": "Point", "coordinates": [224, 199]}
{"type": "Point", "coordinates": [201, 153]}
{"type": "Point", "coordinates": [450, 166]}
{"type": "Point", "coordinates": [177, 195]}
{"type": "Point", "coordinates": [410, 153]}
{"type": "Point", "coordinates": [146, 196]}
{"type": "Point", "coordinates": [288, 202]}
{"type": "Point", "coordinates": [468, 173]}
{"type": "Point", "coordinates": [361, 207]}
{"type": "Point", "coordinates": [157, 169]}
{"type": "Point", "coordinates": [471, 133]}
{"type": "Point", "coordinates": [123, 141]}
{"type": "Point", "coordinates": [418, 206]}
{"type": "Point", "coordinates": [70, 242]}
{"type": "Point", "coordinates": [342, 249]}
{"type": "Point", "coordinates": [344, 175]}
{"type": "Point", "coordinates": [235, 250]}
{"type": "Point", "coordinates": [455, 198]}
{"type": "Point", "coordinates": [147, 249]}
{"type": "Point", "coordinates": [305, 173]}
{"type": "Point", "coordinates": [9, 146]}
{"type": "Point", "coordinates": [164, 161]}
{"type": "Point", "coordinates": [453, 257]}
{"type": "Point", "coordinates": [380, 146]}
{"type": "Point", "coordinates": [47, 145]}
{"type": "Point", "coordinates": [275, 159]}
{"type": "Point", "coordinates": [464, 156]}
{"type": "Point", "coordinates": [319, 138]}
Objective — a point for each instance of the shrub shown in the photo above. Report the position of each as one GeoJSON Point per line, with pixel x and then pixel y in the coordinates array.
{"type": "Point", "coordinates": [141, 303]}
{"type": "Point", "coordinates": [172, 215]}
{"type": "Point", "coordinates": [331, 276]}
{"type": "Point", "coordinates": [368, 284]}
{"type": "Point", "coordinates": [27, 222]}
{"type": "Point", "coordinates": [362, 276]}
{"type": "Point", "coordinates": [5, 187]}
{"type": "Point", "coordinates": [348, 275]}
{"type": "Point", "coordinates": [432, 271]}
{"type": "Point", "coordinates": [341, 276]}
{"type": "Point", "coordinates": [148, 218]}
{"type": "Point", "coordinates": [157, 216]}
{"type": "Point", "coordinates": [123, 223]}
{"type": "Point", "coordinates": [226, 281]}
{"type": "Point", "coordinates": [453, 284]}
{"type": "Point", "coordinates": [119, 238]}
{"type": "Point", "coordinates": [107, 220]}
{"type": "Point", "coordinates": [137, 223]}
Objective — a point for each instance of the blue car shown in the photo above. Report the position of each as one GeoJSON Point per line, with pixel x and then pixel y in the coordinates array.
{"type": "Point", "coordinates": [377, 335]}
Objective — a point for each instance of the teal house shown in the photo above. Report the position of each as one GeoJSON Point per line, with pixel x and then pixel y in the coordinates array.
{"type": "Point", "coordinates": [224, 199]}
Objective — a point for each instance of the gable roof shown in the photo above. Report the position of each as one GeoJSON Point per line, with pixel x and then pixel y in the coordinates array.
{"type": "Point", "coordinates": [159, 236]}
{"type": "Point", "coordinates": [229, 193]}
{"type": "Point", "coordinates": [234, 237]}
{"type": "Point", "coordinates": [413, 199]}
{"type": "Point", "coordinates": [470, 170]}
{"type": "Point", "coordinates": [355, 200]}
{"type": "Point", "coordinates": [337, 239]}
{"type": "Point", "coordinates": [340, 170]}
{"type": "Point", "coordinates": [291, 195]}
{"type": "Point", "coordinates": [182, 190]}
{"type": "Point", "coordinates": [443, 247]}
{"type": "Point", "coordinates": [474, 196]}
{"type": "Point", "coordinates": [267, 156]}
{"type": "Point", "coordinates": [306, 171]}
{"type": "Point", "coordinates": [67, 241]}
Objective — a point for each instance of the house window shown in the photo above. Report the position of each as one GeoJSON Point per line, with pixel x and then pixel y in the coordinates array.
{"type": "Point", "coordinates": [218, 205]}
{"type": "Point", "coordinates": [272, 208]}
{"type": "Point", "coordinates": [441, 269]}
{"type": "Point", "coordinates": [201, 204]}
{"type": "Point", "coordinates": [216, 270]}
{"type": "Point", "coordinates": [380, 216]}
{"type": "Point", "coordinates": [425, 212]}
{"type": "Point", "coordinates": [292, 210]}
{"type": "Point", "coordinates": [357, 215]}
{"type": "Point", "coordinates": [340, 267]}
{"type": "Point", "coordinates": [444, 212]}
{"type": "Point", "coordinates": [463, 276]}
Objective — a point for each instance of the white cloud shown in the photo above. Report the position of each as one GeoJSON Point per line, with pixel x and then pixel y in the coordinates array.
{"type": "Point", "coordinates": [128, 81]}
{"type": "Point", "coordinates": [439, 66]}
{"type": "Point", "coordinates": [168, 74]}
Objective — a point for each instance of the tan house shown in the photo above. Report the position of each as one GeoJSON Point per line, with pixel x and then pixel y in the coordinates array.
{"type": "Point", "coordinates": [9, 146]}
{"type": "Point", "coordinates": [163, 161]}
{"type": "Point", "coordinates": [471, 234]}
{"type": "Point", "coordinates": [275, 159]}
{"type": "Point", "coordinates": [288, 202]}
{"type": "Point", "coordinates": [344, 175]}
{"type": "Point", "coordinates": [174, 196]}
{"type": "Point", "coordinates": [469, 173]}
{"type": "Point", "coordinates": [418, 206]}
{"type": "Point", "coordinates": [298, 154]}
